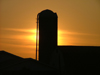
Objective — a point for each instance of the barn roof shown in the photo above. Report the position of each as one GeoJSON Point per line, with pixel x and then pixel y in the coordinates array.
{"type": "Point", "coordinates": [12, 62]}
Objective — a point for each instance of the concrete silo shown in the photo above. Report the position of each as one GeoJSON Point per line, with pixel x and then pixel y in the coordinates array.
{"type": "Point", "coordinates": [47, 27]}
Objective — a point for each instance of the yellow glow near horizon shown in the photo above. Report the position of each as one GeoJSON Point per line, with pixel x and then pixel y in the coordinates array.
{"type": "Point", "coordinates": [33, 37]}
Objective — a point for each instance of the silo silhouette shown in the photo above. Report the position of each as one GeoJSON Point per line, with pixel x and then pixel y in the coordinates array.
{"type": "Point", "coordinates": [47, 26]}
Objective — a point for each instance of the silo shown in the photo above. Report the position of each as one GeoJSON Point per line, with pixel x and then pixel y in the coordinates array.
{"type": "Point", "coordinates": [47, 26]}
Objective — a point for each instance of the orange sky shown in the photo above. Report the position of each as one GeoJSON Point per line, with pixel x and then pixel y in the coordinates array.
{"type": "Point", "coordinates": [78, 23]}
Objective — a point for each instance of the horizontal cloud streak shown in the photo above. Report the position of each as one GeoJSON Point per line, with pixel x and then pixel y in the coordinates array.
{"type": "Point", "coordinates": [76, 38]}
{"type": "Point", "coordinates": [59, 31]}
{"type": "Point", "coordinates": [76, 33]}
{"type": "Point", "coordinates": [20, 30]}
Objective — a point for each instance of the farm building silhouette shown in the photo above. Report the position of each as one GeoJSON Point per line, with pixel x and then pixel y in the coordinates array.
{"type": "Point", "coordinates": [53, 59]}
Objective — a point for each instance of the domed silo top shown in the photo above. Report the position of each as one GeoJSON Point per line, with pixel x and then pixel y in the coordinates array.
{"type": "Point", "coordinates": [47, 13]}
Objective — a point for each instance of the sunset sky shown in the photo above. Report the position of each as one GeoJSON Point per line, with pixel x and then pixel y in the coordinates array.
{"type": "Point", "coordinates": [78, 23]}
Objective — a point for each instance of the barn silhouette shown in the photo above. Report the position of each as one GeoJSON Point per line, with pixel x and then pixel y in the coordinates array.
{"type": "Point", "coordinates": [50, 58]}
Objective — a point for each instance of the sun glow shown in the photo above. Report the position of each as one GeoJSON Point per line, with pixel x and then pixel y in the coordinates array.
{"type": "Point", "coordinates": [61, 38]}
{"type": "Point", "coordinates": [33, 37]}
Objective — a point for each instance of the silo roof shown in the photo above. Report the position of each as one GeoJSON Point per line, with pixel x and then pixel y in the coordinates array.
{"type": "Point", "coordinates": [47, 13]}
